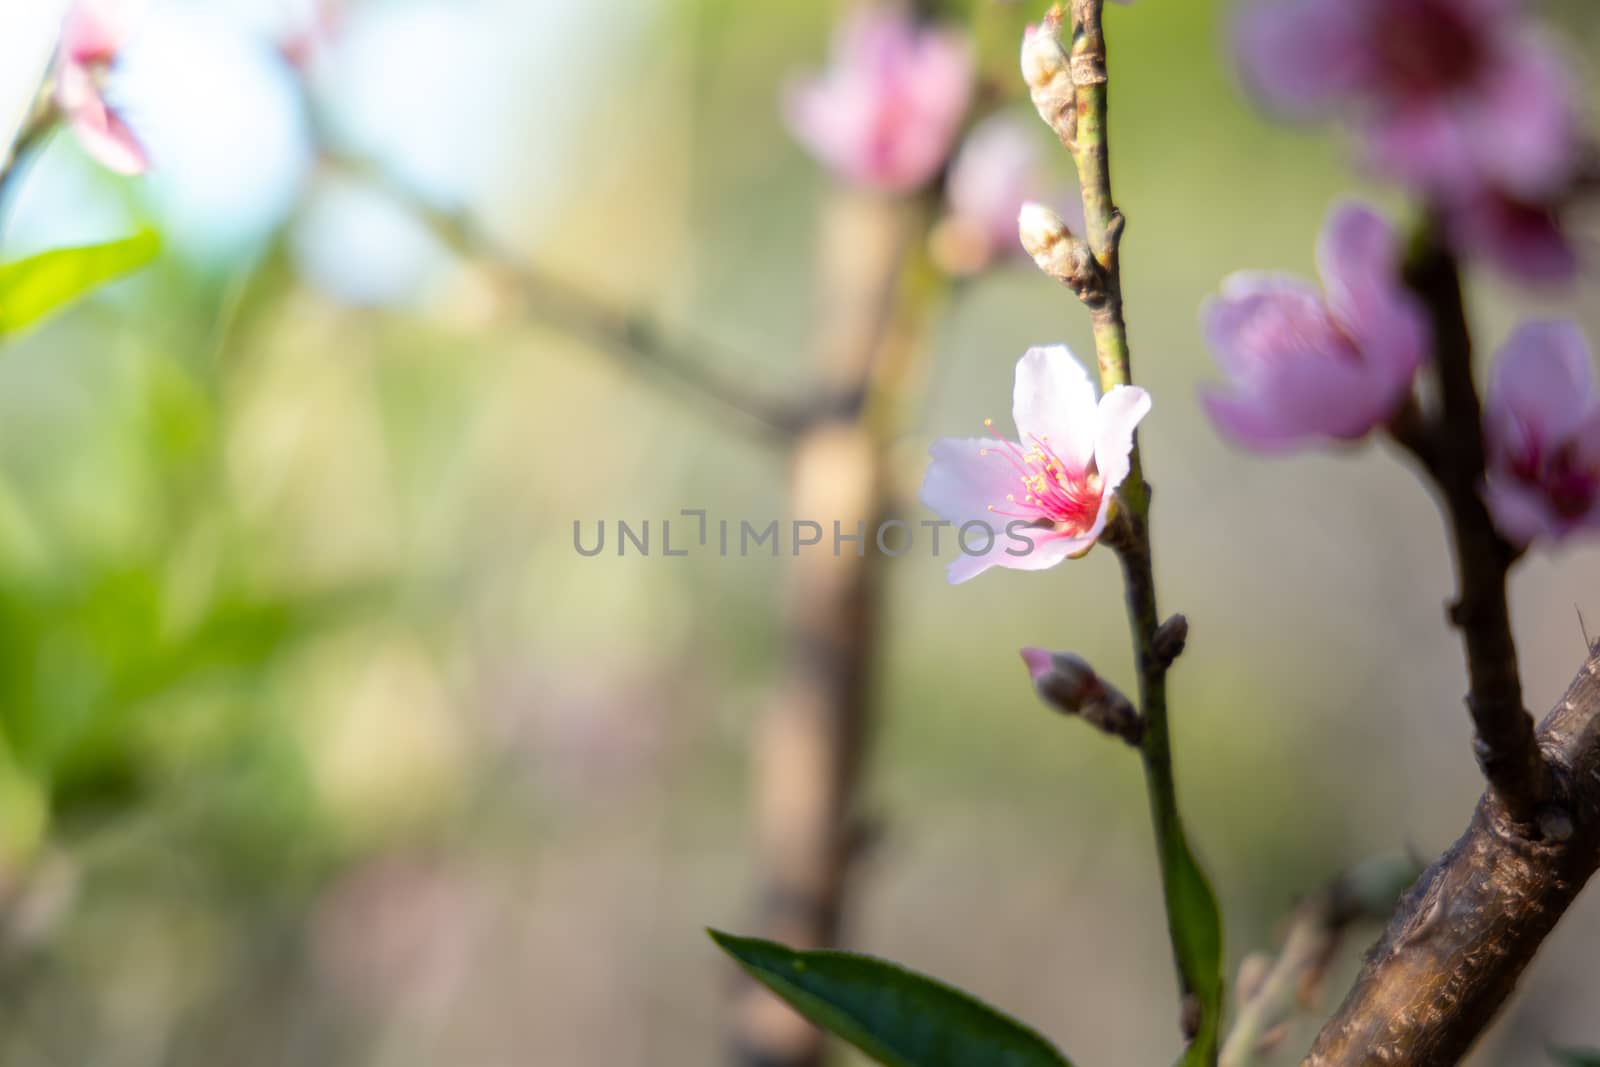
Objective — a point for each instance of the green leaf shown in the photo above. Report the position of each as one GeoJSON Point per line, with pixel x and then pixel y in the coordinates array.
{"type": "Point", "coordinates": [1575, 1057]}
{"type": "Point", "coordinates": [898, 1017]}
{"type": "Point", "coordinates": [34, 287]}
{"type": "Point", "coordinates": [1196, 927]}
{"type": "Point", "coordinates": [1193, 919]}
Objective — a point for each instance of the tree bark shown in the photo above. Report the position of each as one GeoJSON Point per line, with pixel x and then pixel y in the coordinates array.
{"type": "Point", "coordinates": [1462, 936]}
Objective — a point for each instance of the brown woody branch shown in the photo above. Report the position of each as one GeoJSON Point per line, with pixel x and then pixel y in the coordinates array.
{"type": "Point", "coordinates": [1455, 948]}
{"type": "Point", "coordinates": [1449, 446]}
{"type": "Point", "coordinates": [1462, 935]}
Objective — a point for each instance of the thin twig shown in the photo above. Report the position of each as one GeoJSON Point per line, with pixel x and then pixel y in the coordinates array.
{"type": "Point", "coordinates": [1449, 448]}
{"type": "Point", "coordinates": [630, 337]}
{"type": "Point", "coordinates": [1078, 113]}
{"type": "Point", "coordinates": [1296, 976]}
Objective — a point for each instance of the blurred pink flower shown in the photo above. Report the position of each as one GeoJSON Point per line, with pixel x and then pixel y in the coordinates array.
{"type": "Point", "coordinates": [1525, 240]}
{"type": "Point", "coordinates": [1056, 486]}
{"type": "Point", "coordinates": [1302, 365]}
{"type": "Point", "coordinates": [996, 170]}
{"type": "Point", "coordinates": [1449, 93]}
{"type": "Point", "coordinates": [1542, 435]}
{"type": "Point", "coordinates": [886, 112]}
{"type": "Point", "coordinates": [92, 34]}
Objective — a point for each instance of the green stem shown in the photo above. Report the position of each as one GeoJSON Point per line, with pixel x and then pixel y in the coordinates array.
{"type": "Point", "coordinates": [1190, 903]}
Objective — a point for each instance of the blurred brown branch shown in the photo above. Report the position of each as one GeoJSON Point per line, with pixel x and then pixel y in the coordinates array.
{"type": "Point", "coordinates": [812, 744]}
{"type": "Point", "coordinates": [1449, 447]}
{"type": "Point", "coordinates": [1269, 989]}
{"type": "Point", "coordinates": [635, 339]}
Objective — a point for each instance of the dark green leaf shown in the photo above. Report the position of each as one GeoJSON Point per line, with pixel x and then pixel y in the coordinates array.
{"type": "Point", "coordinates": [34, 287]}
{"type": "Point", "coordinates": [1576, 1057]}
{"type": "Point", "coordinates": [1196, 927]}
{"type": "Point", "coordinates": [898, 1017]}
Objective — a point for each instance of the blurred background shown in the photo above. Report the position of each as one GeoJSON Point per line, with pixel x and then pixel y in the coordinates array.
{"type": "Point", "coordinates": [319, 743]}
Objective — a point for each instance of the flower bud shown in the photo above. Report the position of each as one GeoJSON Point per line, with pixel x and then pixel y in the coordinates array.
{"type": "Point", "coordinates": [1066, 682]}
{"type": "Point", "coordinates": [1047, 70]}
{"type": "Point", "coordinates": [1058, 252]}
{"type": "Point", "coordinates": [1170, 639]}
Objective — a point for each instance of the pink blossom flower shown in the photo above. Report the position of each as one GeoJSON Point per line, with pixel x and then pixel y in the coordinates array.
{"type": "Point", "coordinates": [1303, 365]}
{"type": "Point", "coordinates": [1542, 435]}
{"type": "Point", "coordinates": [91, 36]}
{"type": "Point", "coordinates": [886, 112]}
{"type": "Point", "coordinates": [1447, 92]}
{"type": "Point", "coordinates": [1047, 497]}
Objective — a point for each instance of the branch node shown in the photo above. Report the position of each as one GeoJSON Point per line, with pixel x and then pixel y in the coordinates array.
{"type": "Point", "coordinates": [1088, 54]}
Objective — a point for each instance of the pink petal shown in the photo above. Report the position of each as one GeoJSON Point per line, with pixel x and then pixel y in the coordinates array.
{"type": "Point", "coordinates": [965, 477]}
{"type": "Point", "coordinates": [1542, 384]}
{"type": "Point", "coordinates": [1049, 549]}
{"type": "Point", "coordinates": [1054, 401]}
{"type": "Point", "coordinates": [76, 89]}
{"type": "Point", "coordinates": [886, 112]}
{"type": "Point", "coordinates": [1525, 241]}
{"type": "Point", "coordinates": [1295, 375]}
{"type": "Point", "coordinates": [1358, 255]}
{"type": "Point", "coordinates": [94, 31]}
{"type": "Point", "coordinates": [1249, 325]}
{"type": "Point", "coordinates": [1422, 142]}
{"type": "Point", "coordinates": [1586, 439]}
{"type": "Point", "coordinates": [992, 176]}
{"type": "Point", "coordinates": [1300, 55]}
{"type": "Point", "coordinates": [1525, 119]}
{"type": "Point", "coordinates": [1120, 413]}
{"type": "Point", "coordinates": [825, 121]}
{"type": "Point", "coordinates": [1247, 422]}
{"type": "Point", "coordinates": [101, 131]}
{"type": "Point", "coordinates": [110, 141]}
{"type": "Point", "coordinates": [939, 76]}
{"type": "Point", "coordinates": [1520, 514]}
{"type": "Point", "coordinates": [1333, 397]}
{"type": "Point", "coordinates": [1039, 661]}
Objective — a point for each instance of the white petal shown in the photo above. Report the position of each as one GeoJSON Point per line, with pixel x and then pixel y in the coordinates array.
{"type": "Point", "coordinates": [1118, 415]}
{"type": "Point", "coordinates": [1054, 401]}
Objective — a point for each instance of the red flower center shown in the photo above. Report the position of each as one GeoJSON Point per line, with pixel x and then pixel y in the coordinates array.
{"type": "Point", "coordinates": [1570, 487]}
{"type": "Point", "coordinates": [1428, 47]}
{"type": "Point", "coordinates": [1053, 493]}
